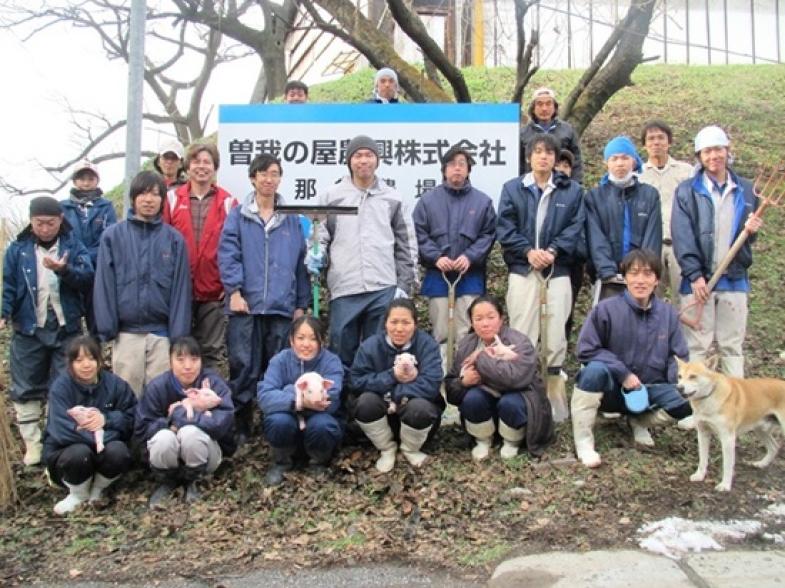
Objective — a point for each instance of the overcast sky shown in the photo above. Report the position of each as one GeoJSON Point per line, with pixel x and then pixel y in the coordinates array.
{"type": "Point", "coordinates": [65, 64]}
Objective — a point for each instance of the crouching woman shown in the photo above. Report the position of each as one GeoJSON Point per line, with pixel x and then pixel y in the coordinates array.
{"type": "Point", "coordinates": [494, 380]}
{"type": "Point", "coordinates": [91, 418]}
{"type": "Point", "coordinates": [186, 420]}
{"type": "Point", "coordinates": [300, 398]}
{"type": "Point", "coordinates": [398, 395]}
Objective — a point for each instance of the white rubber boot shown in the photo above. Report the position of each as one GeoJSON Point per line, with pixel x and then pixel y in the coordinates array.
{"type": "Point", "coordinates": [483, 435]}
{"type": "Point", "coordinates": [640, 433]}
{"type": "Point", "coordinates": [584, 412]}
{"type": "Point", "coordinates": [687, 423]}
{"type": "Point", "coordinates": [381, 435]}
{"type": "Point", "coordinates": [557, 395]}
{"type": "Point", "coordinates": [733, 365]}
{"type": "Point", "coordinates": [411, 442]}
{"type": "Point", "coordinates": [77, 494]}
{"type": "Point", "coordinates": [512, 439]}
{"type": "Point", "coordinates": [28, 415]}
{"type": "Point", "coordinates": [100, 483]}
{"type": "Point", "coordinates": [653, 418]}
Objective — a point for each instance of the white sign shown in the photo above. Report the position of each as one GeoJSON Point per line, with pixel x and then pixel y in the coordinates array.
{"type": "Point", "coordinates": [311, 139]}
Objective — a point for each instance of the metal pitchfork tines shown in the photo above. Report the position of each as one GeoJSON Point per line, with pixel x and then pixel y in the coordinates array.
{"type": "Point", "coordinates": [769, 188]}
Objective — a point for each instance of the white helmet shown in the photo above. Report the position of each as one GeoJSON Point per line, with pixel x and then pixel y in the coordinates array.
{"type": "Point", "coordinates": [712, 136]}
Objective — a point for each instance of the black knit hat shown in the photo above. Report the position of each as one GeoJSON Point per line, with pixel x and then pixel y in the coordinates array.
{"type": "Point", "coordinates": [45, 206]}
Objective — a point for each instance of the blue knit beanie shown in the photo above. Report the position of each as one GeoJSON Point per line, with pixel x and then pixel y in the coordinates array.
{"type": "Point", "coordinates": [623, 145]}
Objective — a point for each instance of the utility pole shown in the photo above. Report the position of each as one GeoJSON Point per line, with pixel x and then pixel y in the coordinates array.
{"type": "Point", "coordinates": [133, 137]}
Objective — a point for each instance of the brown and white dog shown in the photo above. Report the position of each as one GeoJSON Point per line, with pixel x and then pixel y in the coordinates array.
{"type": "Point", "coordinates": [730, 406]}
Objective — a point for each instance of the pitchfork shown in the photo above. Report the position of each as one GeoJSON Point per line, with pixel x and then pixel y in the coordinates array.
{"type": "Point", "coordinates": [451, 285]}
{"type": "Point", "coordinates": [769, 187]}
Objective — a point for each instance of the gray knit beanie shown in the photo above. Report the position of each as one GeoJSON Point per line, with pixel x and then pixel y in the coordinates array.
{"type": "Point", "coordinates": [360, 142]}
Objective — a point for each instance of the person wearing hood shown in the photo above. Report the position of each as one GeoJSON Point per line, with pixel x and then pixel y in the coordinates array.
{"type": "Point", "coordinates": [709, 212]}
{"type": "Point", "coordinates": [622, 214]}
{"type": "Point", "coordinates": [300, 398]}
{"type": "Point", "coordinates": [385, 87]}
{"type": "Point", "coordinates": [89, 215]}
{"type": "Point", "coordinates": [261, 259]}
{"type": "Point", "coordinates": [629, 342]}
{"type": "Point", "coordinates": [169, 163]}
{"type": "Point", "coordinates": [544, 118]}
{"type": "Point", "coordinates": [142, 290]}
{"type": "Point", "coordinates": [455, 224]}
{"type": "Point", "coordinates": [46, 272]}
{"type": "Point", "coordinates": [198, 209]}
{"type": "Point", "coordinates": [541, 218]}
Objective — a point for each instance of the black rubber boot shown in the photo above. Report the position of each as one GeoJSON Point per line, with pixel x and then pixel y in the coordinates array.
{"type": "Point", "coordinates": [243, 424]}
{"type": "Point", "coordinates": [318, 463]}
{"type": "Point", "coordinates": [191, 477]}
{"type": "Point", "coordinates": [282, 463]}
{"type": "Point", "coordinates": [168, 480]}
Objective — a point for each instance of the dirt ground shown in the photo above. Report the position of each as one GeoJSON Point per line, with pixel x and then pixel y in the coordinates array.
{"type": "Point", "coordinates": [453, 514]}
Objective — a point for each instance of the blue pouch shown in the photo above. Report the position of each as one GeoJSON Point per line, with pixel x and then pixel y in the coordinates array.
{"type": "Point", "coordinates": [636, 401]}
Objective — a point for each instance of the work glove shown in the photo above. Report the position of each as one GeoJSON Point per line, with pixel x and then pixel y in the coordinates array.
{"type": "Point", "coordinates": [314, 262]}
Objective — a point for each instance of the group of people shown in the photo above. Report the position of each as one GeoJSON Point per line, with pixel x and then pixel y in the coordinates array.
{"type": "Point", "coordinates": [193, 273]}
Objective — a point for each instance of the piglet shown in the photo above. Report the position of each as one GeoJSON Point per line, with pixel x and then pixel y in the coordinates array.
{"type": "Point", "coordinates": [200, 397]}
{"type": "Point", "coordinates": [310, 387]}
{"type": "Point", "coordinates": [406, 363]}
{"type": "Point", "coordinates": [81, 415]}
{"type": "Point", "coordinates": [501, 351]}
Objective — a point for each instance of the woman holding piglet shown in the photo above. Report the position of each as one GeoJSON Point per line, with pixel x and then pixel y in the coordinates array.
{"type": "Point", "coordinates": [300, 398]}
{"type": "Point", "coordinates": [91, 417]}
{"type": "Point", "coordinates": [186, 421]}
{"type": "Point", "coordinates": [397, 375]}
{"type": "Point", "coordinates": [495, 382]}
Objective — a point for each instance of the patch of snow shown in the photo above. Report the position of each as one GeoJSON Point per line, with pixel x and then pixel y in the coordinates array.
{"type": "Point", "coordinates": [675, 537]}
{"type": "Point", "coordinates": [776, 538]}
{"type": "Point", "coordinates": [776, 511]}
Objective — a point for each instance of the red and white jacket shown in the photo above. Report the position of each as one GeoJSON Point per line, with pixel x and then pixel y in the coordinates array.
{"type": "Point", "coordinates": [202, 256]}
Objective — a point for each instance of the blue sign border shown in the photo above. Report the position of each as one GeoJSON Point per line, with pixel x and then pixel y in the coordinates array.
{"type": "Point", "coordinates": [368, 113]}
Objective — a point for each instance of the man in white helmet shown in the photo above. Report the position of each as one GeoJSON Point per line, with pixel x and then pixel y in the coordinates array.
{"type": "Point", "coordinates": [709, 211]}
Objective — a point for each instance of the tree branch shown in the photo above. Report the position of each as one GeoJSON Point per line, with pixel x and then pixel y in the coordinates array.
{"type": "Point", "coordinates": [411, 24]}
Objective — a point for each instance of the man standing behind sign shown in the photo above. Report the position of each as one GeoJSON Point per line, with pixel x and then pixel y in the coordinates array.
{"type": "Point", "coordinates": [385, 87]}
{"type": "Point", "coordinates": [372, 256]}
{"type": "Point", "coordinates": [456, 227]}
{"type": "Point", "coordinates": [198, 209]}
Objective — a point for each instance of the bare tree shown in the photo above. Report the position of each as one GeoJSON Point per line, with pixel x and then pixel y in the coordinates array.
{"type": "Point", "coordinates": [267, 40]}
{"type": "Point", "coordinates": [357, 30]}
{"type": "Point", "coordinates": [523, 52]}
{"type": "Point", "coordinates": [411, 24]}
{"type": "Point", "coordinates": [602, 80]}
{"type": "Point", "coordinates": [179, 90]}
